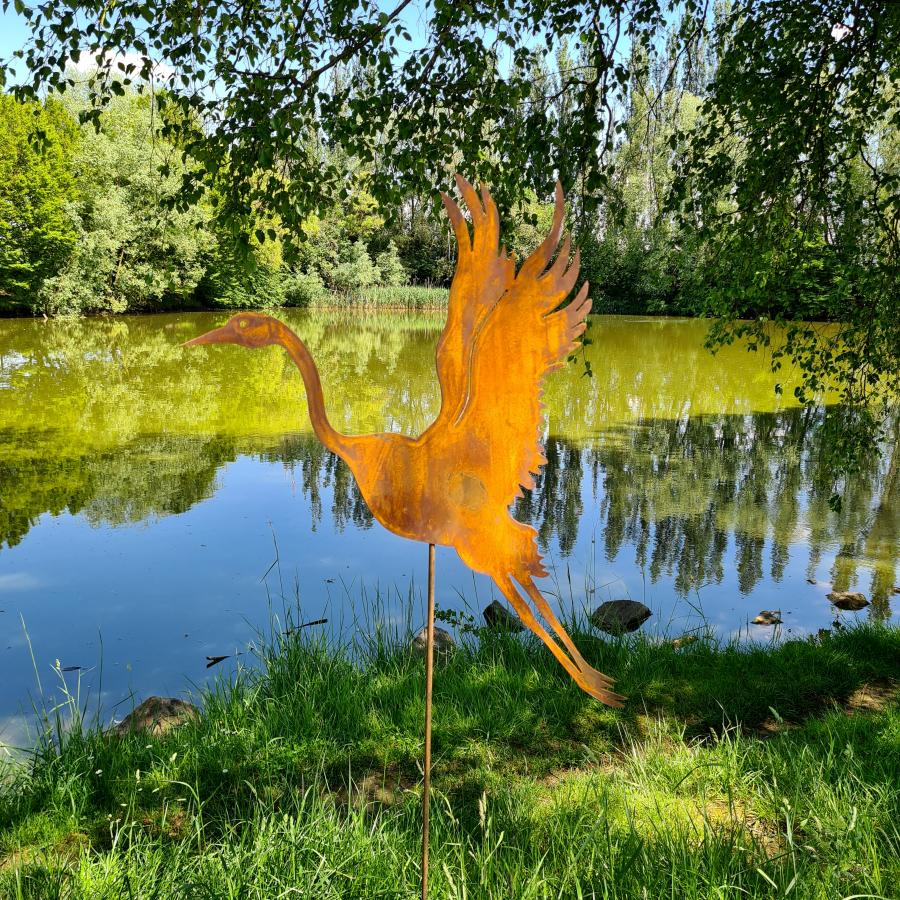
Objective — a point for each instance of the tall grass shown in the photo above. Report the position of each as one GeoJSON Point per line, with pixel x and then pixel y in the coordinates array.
{"type": "Point", "coordinates": [401, 296]}
{"type": "Point", "coordinates": [732, 773]}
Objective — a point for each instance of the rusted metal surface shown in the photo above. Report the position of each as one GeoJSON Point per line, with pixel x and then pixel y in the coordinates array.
{"type": "Point", "coordinates": [453, 484]}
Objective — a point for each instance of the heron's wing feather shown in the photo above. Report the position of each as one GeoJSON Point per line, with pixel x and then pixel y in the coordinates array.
{"type": "Point", "coordinates": [528, 332]}
{"type": "Point", "coordinates": [483, 273]}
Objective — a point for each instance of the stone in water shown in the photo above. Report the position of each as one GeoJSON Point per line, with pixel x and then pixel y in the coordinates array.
{"type": "Point", "coordinates": [852, 601]}
{"type": "Point", "coordinates": [684, 640]}
{"type": "Point", "coordinates": [616, 616]}
{"type": "Point", "coordinates": [499, 618]}
{"type": "Point", "coordinates": [158, 715]}
{"type": "Point", "coordinates": [444, 644]}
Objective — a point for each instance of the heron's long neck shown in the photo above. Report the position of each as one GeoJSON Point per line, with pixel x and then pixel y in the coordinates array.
{"type": "Point", "coordinates": [332, 439]}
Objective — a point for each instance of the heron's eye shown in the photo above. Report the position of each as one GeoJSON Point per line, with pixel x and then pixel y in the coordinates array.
{"type": "Point", "coordinates": [243, 323]}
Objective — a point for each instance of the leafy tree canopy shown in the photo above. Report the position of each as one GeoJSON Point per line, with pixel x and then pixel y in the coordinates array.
{"type": "Point", "coordinates": [792, 177]}
{"type": "Point", "coordinates": [37, 234]}
{"type": "Point", "coordinates": [413, 90]}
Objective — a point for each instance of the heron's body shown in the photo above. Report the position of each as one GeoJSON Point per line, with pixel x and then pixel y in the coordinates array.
{"type": "Point", "coordinates": [439, 491]}
{"type": "Point", "coordinates": [453, 485]}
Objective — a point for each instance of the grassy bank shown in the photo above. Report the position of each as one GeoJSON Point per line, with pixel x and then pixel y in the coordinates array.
{"type": "Point", "coordinates": [765, 772]}
{"type": "Point", "coordinates": [405, 297]}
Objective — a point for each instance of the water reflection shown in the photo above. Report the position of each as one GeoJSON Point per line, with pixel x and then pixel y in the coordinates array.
{"type": "Point", "coordinates": [149, 476]}
{"type": "Point", "coordinates": [692, 468]}
{"type": "Point", "coordinates": [693, 497]}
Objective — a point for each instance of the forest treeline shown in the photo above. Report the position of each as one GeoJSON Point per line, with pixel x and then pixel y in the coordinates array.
{"type": "Point", "coordinates": [88, 224]}
{"type": "Point", "coordinates": [92, 218]}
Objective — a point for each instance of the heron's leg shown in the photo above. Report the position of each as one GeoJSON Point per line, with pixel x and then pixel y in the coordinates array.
{"type": "Point", "coordinates": [545, 610]}
{"type": "Point", "coordinates": [596, 690]}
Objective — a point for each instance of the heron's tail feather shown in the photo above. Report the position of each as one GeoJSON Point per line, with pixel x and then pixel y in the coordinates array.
{"type": "Point", "coordinates": [589, 680]}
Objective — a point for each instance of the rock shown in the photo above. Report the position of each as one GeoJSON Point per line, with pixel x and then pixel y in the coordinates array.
{"type": "Point", "coordinates": [157, 716]}
{"type": "Point", "coordinates": [444, 644]}
{"type": "Point", "coordinates": [897, 589]}
{"type": "Point", "coordinates": [768, 617]}
{"type": "Point", "coordinates": [616, 616]}
{"type": "Point", "coordinates": [684, 641]}
{"type": "Point", "coordinates": [499, 618]}
{"type": "Point", "coordinates": [848, 600]}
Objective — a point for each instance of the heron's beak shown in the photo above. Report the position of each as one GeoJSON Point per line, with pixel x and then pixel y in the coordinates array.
{"type": "Point", "coordinates": [216, 336]}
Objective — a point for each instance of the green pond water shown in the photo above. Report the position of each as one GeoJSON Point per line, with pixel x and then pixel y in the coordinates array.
{"type": "Point", "coordinates": [144, 487]}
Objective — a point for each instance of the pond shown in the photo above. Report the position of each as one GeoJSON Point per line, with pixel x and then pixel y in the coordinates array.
{"type": "Point", "coordinates": [146, 490]}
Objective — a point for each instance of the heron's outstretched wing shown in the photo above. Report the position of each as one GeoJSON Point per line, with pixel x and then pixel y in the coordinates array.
{"type": "Point", "coordinates": [483, 274]}
{"type": "Point", "coordinates": [528, 331]}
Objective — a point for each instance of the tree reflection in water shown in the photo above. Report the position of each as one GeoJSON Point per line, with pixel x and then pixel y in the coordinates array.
{"type": "Point", "coordinates": [679, 490]}
{"type": "Point", "coordinates": [696, 469]}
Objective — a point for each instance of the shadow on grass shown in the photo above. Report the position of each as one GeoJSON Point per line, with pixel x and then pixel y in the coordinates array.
{"type": "Point", "coordinates": [710, 687]}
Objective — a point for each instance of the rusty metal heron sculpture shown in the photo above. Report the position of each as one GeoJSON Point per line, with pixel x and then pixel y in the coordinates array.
{"type": "Point", "coordinates": [453, 485]}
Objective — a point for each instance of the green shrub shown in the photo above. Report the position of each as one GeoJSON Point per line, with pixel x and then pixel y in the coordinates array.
{"type": "Point", "coordinates": [425, 252]}
{"type": "Point", "coordinates": [303, 289]}
{"type": "Point", "coordinates": [391, 270]}
{"type": "Point", "coordinates": [233, 283]}
{"type": "Point", "coordinates": [354, 271]}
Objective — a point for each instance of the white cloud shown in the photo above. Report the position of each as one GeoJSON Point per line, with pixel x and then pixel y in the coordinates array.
{"type": "Point", "coordinates": [18, 581]}
{"type": "Point", "coordinates": [839, 31]}
{"type": "Point", "coordinates": [17, 736]}
{"type": "Point", "coordinates": [87, 62]}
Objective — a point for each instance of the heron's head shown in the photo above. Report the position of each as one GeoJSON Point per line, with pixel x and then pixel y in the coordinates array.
{"type": "Point", "coordinates": [247, 329]}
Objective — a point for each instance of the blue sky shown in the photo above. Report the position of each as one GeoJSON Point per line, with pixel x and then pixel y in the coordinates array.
{"type": "Point", "coordinates": [12, 32]}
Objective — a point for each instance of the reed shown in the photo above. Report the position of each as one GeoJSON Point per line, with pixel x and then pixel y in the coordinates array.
{"type": "Point", "coordinates": [402, 296]}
